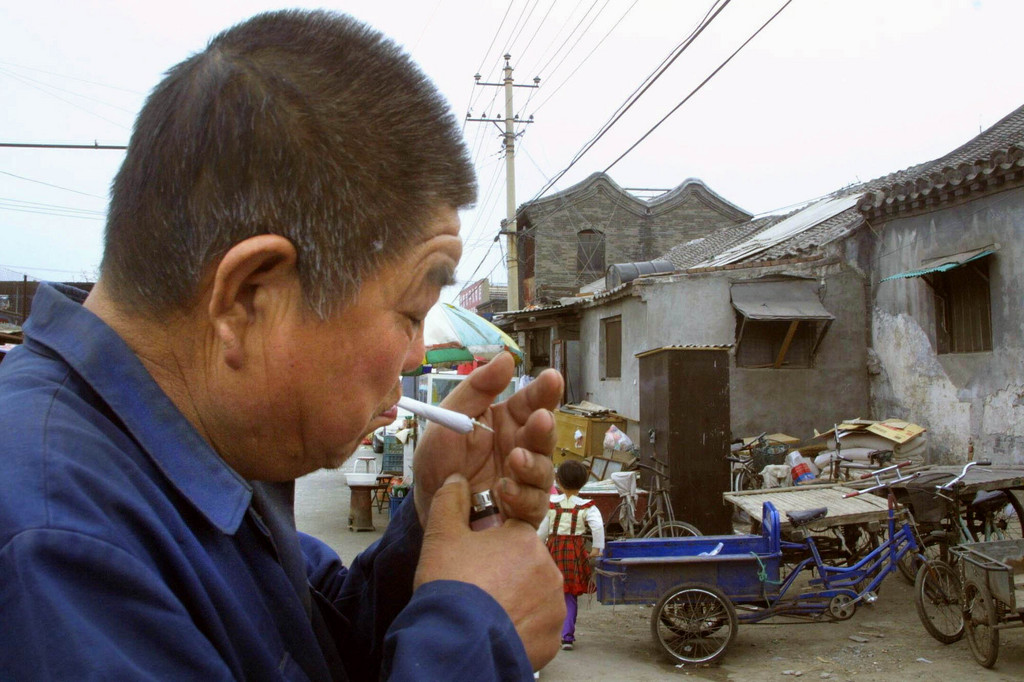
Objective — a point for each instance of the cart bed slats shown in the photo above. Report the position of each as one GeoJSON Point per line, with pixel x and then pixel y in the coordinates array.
{"type": "Point", "coordinates": [861, 509]}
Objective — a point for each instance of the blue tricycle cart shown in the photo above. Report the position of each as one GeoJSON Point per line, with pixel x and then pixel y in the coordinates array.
{"type": "Point", "coordinates": [704, 586]}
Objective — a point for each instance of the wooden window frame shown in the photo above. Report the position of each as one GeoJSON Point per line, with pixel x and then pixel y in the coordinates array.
{"type": "Point", "coordinates": [611, 353]}
{"type": "Point", "coordinates": [963, 308]}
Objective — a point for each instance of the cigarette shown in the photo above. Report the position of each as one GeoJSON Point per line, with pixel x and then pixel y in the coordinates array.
{"type": "Point", "coordinates": [456, 421]}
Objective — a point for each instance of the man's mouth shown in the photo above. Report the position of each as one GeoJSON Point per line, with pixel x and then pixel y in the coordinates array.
{"type": "Point", "coordinates": [390, 413]}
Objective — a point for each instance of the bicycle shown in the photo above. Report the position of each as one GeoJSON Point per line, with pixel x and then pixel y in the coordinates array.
{"type": "Point", "coordinates": [944, 517]}
{"type": "Point", "coordinates": [658, 520]}
{"type": "Point", "coordinates": [938, 594]}
{"type": "Point", "coordinates": [747, 468]}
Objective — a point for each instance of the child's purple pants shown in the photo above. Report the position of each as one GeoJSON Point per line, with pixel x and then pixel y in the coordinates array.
{"type": "Point", "coordinates": [569, 627]}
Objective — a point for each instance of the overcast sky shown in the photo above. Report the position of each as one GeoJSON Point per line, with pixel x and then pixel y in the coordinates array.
{"type": "Point", "coordinates": [830, 93]}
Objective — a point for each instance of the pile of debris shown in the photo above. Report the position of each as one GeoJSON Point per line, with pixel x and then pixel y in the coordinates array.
{"type": "Point", "coordinates": [872, 442]}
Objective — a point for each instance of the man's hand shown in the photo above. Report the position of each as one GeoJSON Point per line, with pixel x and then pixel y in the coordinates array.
{"type": "Point", "coordinates": [510, 563]}
{"type": "Point", "coordinates": [514, 461]}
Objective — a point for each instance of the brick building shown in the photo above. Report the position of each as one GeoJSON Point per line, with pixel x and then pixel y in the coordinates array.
{"type": "Point", "coordinates": [568, 239]}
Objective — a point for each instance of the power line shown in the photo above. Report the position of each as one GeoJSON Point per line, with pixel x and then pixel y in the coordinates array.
{"type": "Point", "coordinates": [697, 89]}
{"type": "Point", "coordinates": [53, 213]}
{"type": "Point", "coordinates": [484, 59]}
{"type": "Point", "coordinates": [40, 182]}
{"type": "Point", "coordinates": [583, 61]}
{"type": "Point", "coordinates": [555, 38]}
{"type": "Point", "coordinates": [81, 80]}
{"type": "Point", "coordinates": [569, 37]}
{"type": "Point", "coordinates": [515, 38]}
{"type": "Point", "coordinates": [70, 92]}
{"type": "Point", "coordinates": [41, 145]}
{"type": "Point", "coordinates": [578, 39]}
{"type": "Point", "coordinates": [536, 31]}
{"type": "Point", "coordinates": [639, 92]}
{"type": "Point", "coordinates": [66, 101]}
{"type": "Point", "coordinates": [17, 204]}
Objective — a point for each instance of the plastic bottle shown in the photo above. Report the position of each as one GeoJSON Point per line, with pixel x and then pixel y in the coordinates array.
{"type": "Point", "coordinates": [800, 468]}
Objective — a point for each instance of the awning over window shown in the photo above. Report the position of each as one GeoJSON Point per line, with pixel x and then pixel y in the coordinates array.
{"type": "Point", "coordinates": [779, 300]}
{"type": "Point", "coordinates": [946, 262]}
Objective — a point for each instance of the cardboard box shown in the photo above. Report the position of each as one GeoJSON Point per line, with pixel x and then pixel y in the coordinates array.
{"type": "Point", "coordinates": [592, 430]}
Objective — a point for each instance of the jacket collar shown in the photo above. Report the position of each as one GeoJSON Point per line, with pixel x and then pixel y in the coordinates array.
{"type": "Point", "coordinates": [109, 367]}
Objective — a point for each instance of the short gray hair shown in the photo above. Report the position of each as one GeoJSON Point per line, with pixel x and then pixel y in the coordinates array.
{"type": "Point", "coordinates": [305, 124]}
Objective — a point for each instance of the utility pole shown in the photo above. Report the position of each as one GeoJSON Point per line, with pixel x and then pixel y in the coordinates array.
{"type": "Point", "coordinates": [509, 224]}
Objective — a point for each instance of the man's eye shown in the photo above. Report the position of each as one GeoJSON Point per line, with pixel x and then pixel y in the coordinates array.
{"type": "Point", "coordinates": [416, 320]}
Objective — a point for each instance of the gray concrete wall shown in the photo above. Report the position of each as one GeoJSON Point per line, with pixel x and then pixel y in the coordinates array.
{"type": "Point", "coordinates": [797, 401]}
{"type": "Point", "coordinates": [959, 398]}
{"type": "Point", "coordinates": [697, 310]}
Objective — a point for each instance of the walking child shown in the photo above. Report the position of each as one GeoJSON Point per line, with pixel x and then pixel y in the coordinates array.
{"type": "Point", "coordinates": [568, 519]}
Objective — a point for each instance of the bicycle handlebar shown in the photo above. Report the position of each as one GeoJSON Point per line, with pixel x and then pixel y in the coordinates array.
{"type": "Point", "coordinates": [747, 446]}
{"type": "Point", "coordinates": [949, 484]}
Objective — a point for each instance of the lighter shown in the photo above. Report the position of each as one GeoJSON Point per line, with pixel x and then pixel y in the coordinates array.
{"type": "Point", "coordinates": [484, 514]}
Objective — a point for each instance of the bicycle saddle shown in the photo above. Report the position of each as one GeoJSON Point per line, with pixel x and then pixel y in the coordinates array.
{"type": "Point", "coordinates": [988, 500]}
{"type": "Point", "coordinates": [806, 516]}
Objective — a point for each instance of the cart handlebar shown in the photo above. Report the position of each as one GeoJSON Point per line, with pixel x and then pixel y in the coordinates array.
{"type": "Point", "coordinates": [949, 484]}
{"type": "Point", "coordinates": [879, 483]}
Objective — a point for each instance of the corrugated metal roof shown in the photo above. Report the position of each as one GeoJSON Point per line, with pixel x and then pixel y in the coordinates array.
{"type": "Point", "coordinates": [786, 229]}
{"type": "Point", "coordinates": [779, 300]}
{"type": "Point", "coordinates": [946, 262]}
{"type": "Point", "coordinates": [706, 346]}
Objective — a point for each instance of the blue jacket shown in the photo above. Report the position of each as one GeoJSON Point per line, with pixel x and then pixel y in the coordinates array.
{"type": "Point", "coordinates": [129, 549]}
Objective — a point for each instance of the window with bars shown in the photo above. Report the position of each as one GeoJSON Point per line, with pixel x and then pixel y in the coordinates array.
{"type": "Point", "coordinates": [963, 308]}
{"type": "Point", "coordinates": [589, 255]}
{"type": "Point", "coordinates": [611, 347]}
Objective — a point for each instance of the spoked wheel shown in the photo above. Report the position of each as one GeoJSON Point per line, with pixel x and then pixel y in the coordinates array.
{"type": "Point", "coordinates": [615, 528]}
{"type": "Point", "coordinates": [937, 599]}
{"type": "Point", "coordinates": [745, 480]}
{"type": "Point", "coordinates": [979, 623]}
{"type": "Point", "coordinates": [694, 623]}
{"type": "Point", "coordinates": [910, 563]}
{"type": "Point", "coordinates": [860, 541]}
{"type": "Point", "coordinates": [842, 607]}
{"type": "Point", "coordinates": [673, 529]}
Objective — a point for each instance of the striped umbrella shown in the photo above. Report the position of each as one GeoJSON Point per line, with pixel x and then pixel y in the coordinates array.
{"type": "Point", "coordinates": [452, 335]}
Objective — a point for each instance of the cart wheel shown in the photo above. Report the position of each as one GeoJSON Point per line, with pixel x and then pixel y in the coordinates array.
{"type": "Point", "coordinates": [979, 623]}
{"type": "Point", "coordinates": [842, 606]}
{"type": "Point", "coordinates": [937, 599]}
{"type": "Point", "coordinates": [673, 529]}
{"type": "Point", "coordinates": [694, 623]}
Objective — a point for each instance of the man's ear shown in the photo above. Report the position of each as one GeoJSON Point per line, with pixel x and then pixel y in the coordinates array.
{"type": "Point", "coordinates": [253, 272]}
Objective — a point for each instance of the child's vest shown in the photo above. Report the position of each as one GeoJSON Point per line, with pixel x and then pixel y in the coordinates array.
{"type": "Point", "coordinates": [574, 527]}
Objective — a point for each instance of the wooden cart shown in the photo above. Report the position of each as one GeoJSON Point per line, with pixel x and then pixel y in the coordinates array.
{"type": "Point", "coordinates": [852, 527]}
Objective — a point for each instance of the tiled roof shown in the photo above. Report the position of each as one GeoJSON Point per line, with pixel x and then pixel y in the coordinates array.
{"type": "Point", "coordinates": [993, 159]}
{"type": "Point", "coordinates": [699, 250]}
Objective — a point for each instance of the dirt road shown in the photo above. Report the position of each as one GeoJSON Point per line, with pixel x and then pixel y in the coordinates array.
{"type": "Point", "coordinates": [884, 642]}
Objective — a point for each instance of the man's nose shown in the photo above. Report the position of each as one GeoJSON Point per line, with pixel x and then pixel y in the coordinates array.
{"type": "Point", "coordinates": [414, 357]}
